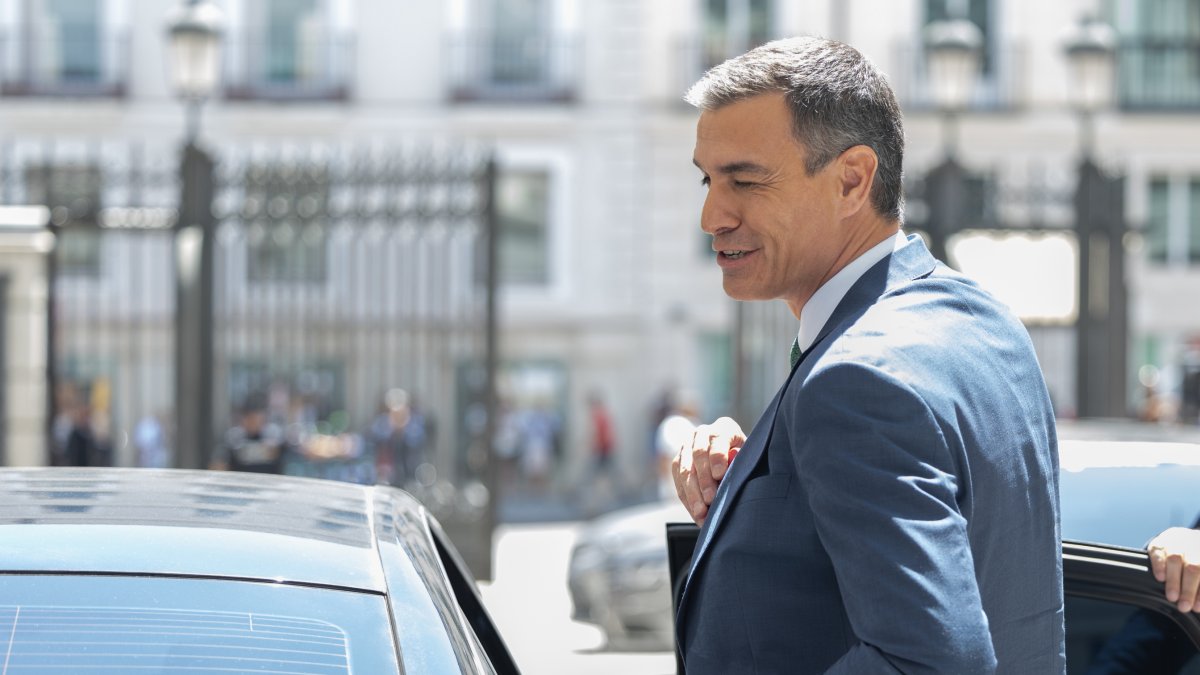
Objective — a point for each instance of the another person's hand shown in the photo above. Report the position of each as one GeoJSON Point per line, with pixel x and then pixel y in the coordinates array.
{"type": "Point", "coordinates": [700, 466]}
{"type": "Point", "coordinates": [1175, 560]}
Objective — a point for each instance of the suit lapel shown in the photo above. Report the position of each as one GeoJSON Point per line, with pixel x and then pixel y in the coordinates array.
{"type": "Point", "coordinates": [911, 262]}
{"type": "Point", "coordinates": [748, 457]}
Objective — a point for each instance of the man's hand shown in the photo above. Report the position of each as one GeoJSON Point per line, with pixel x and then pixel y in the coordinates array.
{"type": "Point", "coordinates": [1175, 559]}
{"type": "Point", "coordinates": [701, 464]}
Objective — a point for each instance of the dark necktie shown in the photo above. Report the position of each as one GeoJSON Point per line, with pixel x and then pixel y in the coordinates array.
{"type": "Point", "coordinates": [794, 356]}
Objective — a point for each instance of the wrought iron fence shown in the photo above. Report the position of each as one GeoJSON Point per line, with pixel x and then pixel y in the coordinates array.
{"type": "Point", "coordinates": [350, 304]}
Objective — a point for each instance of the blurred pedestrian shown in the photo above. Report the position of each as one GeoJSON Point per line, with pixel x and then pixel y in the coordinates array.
{"type": "Point", "coordinates": [539, 433]}
{"type": "Point", "coordinates": [82, 448]}
{"type": "Point", "coordinates": [605, 479]}
{"type": "Point", "coordinates": [252, 444]}
{"type": "Point", "coordinates": [150, 439]}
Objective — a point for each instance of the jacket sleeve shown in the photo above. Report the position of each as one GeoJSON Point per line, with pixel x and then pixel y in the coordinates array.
{"type": "Point", "coordinates": [883, 488]}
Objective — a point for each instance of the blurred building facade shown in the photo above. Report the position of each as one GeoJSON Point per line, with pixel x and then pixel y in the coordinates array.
{"type": "Point", "coordinates": [607, 284]}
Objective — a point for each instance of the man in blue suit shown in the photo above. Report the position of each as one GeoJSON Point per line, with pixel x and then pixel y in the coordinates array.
{"type": "Point", "coordinates": [895, 509]}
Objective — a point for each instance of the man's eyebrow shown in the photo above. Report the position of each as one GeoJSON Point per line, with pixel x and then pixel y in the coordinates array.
{"type": "Point", "coordinates": [737, 167]}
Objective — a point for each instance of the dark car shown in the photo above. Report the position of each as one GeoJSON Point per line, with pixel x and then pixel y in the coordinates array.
{"type": "Point", "coordinates": [1116, 495]}
{"type": "Point", "coordinates": [161, 571]}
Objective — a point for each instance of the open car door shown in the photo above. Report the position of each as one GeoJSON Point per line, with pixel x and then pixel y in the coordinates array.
{"type": "Point", "coordinates": [1117, 616]}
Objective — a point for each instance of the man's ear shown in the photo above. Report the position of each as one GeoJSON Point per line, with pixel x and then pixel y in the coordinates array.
{"type": "Point", "coordinates": [856, 168]}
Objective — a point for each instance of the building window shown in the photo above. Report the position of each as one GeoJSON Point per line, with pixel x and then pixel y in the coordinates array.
{"type": "Point", "coordinates": [71, 32]}
{"type": "Point", "coordinates": [522, 204]}
{"type": "Point", "coordinates": [1194, 221]}
{"type": "Point", "coordinates": [732, 27]}
{"type": "Point", "coordinates": [61, 47]}
{"type": "Point", "coordinates": [515, 60]}
{"type": "Point", "coordinates": [73, 195]}
{"type": "Point", "coordinates": [1158, 224]}
{"type": "Point", "coordinates": [513, 50]}
{"type": "Point", "coordinates": [977, 12]}
{"type": "Point", "coordinates": [1159, 58]}
{"type": "Point", "coordinates": [289, 50]}
{"type": "Point", "coordinates": [1172, 233]}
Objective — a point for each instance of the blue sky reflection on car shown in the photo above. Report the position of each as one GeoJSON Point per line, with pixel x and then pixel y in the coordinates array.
{"type": "Point", "coordinates": [159, 570]}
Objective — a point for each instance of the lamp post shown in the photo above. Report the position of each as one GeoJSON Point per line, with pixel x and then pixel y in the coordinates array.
{"type": "Point", "coordinates": [1101, 331]}
{"type": "Point", "coordinates": [952, 50]}
{"type": "Point", "coordinates": [194, 33]}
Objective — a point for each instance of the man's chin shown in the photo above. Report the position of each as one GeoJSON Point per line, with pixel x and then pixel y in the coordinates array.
{"type": "Point", "coordinates": [740, 291]}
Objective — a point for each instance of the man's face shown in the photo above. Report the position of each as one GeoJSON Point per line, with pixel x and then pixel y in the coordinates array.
{"type": "Point", "coordinates": [774, 227]}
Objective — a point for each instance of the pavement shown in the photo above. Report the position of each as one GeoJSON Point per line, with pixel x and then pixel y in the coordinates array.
{"type": "Point", "coordinates": [529, 602]}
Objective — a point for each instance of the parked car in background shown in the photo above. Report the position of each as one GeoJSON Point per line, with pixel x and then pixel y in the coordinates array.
{"type": "Point", "coordinates": [161, 571]}
{"type": "Point", "coordinates": [1116, 494]}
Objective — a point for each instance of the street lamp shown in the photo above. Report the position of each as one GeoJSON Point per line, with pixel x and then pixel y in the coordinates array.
{"type": "Point", "coordinates": [1101, 332]}
{"type": "Point", "coordinates": [1091, 53]}
{"type": "Point", "coordinates": [952, 50]}
{"type": "Point", "coordinates": [194, 34]}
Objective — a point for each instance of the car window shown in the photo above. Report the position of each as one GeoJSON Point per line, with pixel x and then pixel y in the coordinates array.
{"type": "Point", "coordinates": [1112, 638]}
{"type": "Point", "coordinates": [117, 624]}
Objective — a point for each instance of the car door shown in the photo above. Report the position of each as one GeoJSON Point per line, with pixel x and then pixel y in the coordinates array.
{"type": "Point", "coordinates": [1117, 617]}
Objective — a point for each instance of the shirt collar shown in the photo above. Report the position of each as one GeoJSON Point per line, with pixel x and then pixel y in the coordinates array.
{"type": "Point", "coordinates": [820, 306]}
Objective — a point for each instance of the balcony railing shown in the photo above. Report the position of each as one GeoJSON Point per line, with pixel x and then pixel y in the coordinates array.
{"type": "Point", "coordinates": [91, 67]}
{"type": "Point", "coordinates": [1001, 87]}
{"type": "Point", "coordinates": [1159, 74]}
{"type": "Point", "coordinates": [257, 68]}
{"type": "Point", "coordinates": [526, 68]}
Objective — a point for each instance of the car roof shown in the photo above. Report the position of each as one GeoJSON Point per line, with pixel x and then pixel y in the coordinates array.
{"type": "Point", "coordinates": [199, 523]}
{"type": "Point", "coordinates": [1126, 491]}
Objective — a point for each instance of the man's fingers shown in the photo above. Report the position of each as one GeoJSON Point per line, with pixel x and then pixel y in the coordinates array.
{"type": "Point", "coordinates": [693, 499]}
{"type": "Point", "coordinates": [677, 476]}
{"type": "Point", "coordinates": [727, 439]}
{"type": "Point", "coordinates": [1174, 572]}
{"type": "Point", "coordinates": [1189, 588]}
{"type": "Point", "coordinates": [701, 464]}
{"type": "Point", "coordinates": [1158, 563]}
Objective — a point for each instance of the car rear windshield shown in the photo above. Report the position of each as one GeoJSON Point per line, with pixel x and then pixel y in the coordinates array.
{"type": "Point", "coordinates": [111, 624]}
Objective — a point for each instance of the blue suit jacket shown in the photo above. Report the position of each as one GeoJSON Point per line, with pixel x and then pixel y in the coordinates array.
{"type": "Point", "coordinates": [895, 509]}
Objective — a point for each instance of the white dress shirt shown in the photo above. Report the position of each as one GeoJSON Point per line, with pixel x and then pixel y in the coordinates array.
{"type": "Point", "coordinates": [822, 303]}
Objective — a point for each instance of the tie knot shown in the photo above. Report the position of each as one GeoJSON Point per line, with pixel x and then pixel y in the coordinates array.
{"type": "Point", "coordinates": [794, 356]}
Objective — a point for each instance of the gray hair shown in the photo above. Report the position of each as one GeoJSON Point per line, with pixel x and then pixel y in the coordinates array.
{"type": "Point", "coordinates": [838, 100]}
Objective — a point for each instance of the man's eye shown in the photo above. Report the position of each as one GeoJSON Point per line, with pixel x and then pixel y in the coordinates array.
{"type": "Point", "coordinates": [705, 181]}
{"type": "Point", "coordinates": [743, 184]}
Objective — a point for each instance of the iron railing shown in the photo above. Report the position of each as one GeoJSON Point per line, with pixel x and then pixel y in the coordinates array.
{"type": "Point", "coordinates": [341, 277]}
{"type": "Point", "coordinates": [91, 66]}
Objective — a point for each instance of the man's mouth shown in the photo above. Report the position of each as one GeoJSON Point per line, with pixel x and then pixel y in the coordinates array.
{"type": "Point", "coordinates": [734, 255]}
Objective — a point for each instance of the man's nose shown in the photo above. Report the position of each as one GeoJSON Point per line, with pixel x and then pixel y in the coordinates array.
{"type": "Point", "coordinates": [716, 216]}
